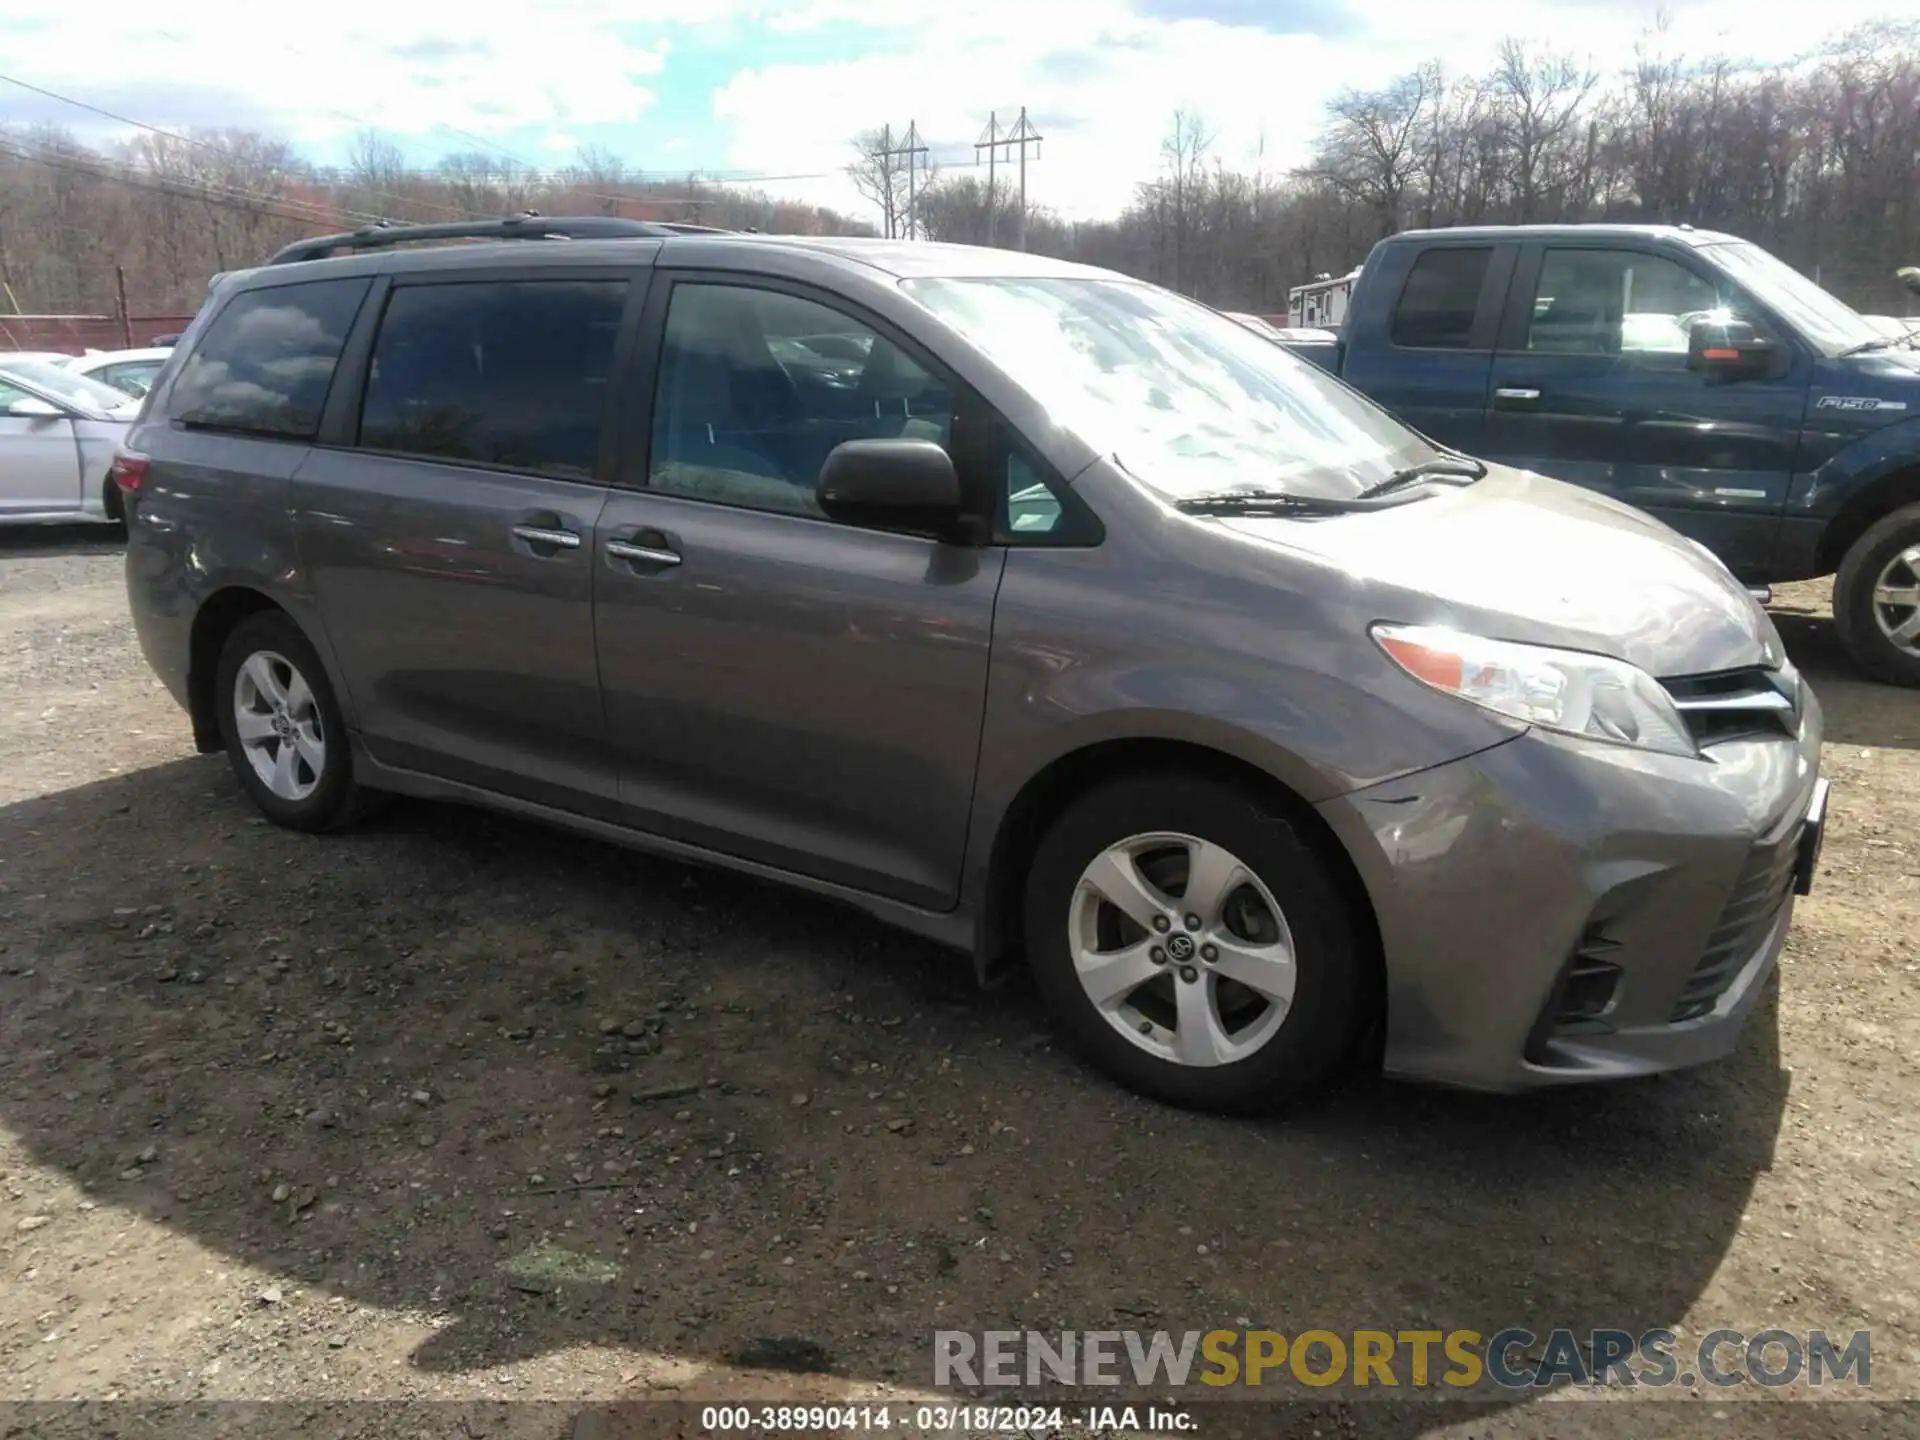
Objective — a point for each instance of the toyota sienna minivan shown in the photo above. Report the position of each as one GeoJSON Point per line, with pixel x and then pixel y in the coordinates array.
{"type": "Point", "coordinates": [1032, 608]}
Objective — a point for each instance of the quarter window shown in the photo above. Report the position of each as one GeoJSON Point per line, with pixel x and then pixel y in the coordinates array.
{"type": "Point", "coordinates": [265, 363]}
{"type": "Point", "coordinates": [1441, 297]}
{"type": "Point", "coordinates": [757, 386]}
{"type": "Point", "coordinates": [509, 374]}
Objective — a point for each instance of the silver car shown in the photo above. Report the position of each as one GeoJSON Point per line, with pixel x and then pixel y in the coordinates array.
{"type": "Point", "coordinates": [58, 432]}
{"type": "Point", "coordinates": [1059, 618]}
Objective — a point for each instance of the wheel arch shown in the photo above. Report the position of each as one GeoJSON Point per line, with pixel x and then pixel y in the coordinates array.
{"type": "Point", "coordinates": [1059, 783]}
{"type": "Point", "coordinates": [219, 614]}
{"type": "Point", "coordinates": [1877, 498]}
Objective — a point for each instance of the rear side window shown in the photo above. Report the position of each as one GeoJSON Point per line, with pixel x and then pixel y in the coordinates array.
{"type": "Point", "coordinates": [264, 365]}
{"type": "Point", "coordinates": [497, 373]}
{"type": "Point", "coordinates": [1437, 307]}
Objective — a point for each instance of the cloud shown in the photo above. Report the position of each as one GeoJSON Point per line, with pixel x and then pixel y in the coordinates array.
{"type": "Point", "coordinates": [1281, 17]}
{"type": "Point", "coordinates": [778, 87]}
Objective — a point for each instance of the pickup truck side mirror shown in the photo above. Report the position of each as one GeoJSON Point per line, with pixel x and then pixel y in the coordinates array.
{"type": "Point", "coordinates": [29, 407]}
{"type": "Point", "coordinates": [1729, 349]}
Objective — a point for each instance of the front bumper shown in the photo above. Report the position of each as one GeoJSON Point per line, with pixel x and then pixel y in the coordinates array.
{"type": "Point", "coordinates": [1553, 910]}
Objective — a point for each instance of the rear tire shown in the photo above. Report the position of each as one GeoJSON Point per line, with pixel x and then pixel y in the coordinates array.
{"type": "Point", "coordinates": [1232, 980]}
{"type": "Point", "coordinates": [1876, 598]}
{"type": "Point", "coordinates": [282, 728]}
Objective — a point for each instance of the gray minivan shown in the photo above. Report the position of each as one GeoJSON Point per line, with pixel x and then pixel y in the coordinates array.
{"type": "Point", "coordinates": [1038, 610]}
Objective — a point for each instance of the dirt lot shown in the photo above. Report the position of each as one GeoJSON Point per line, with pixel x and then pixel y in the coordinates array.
{"type": "Point", "coordinates": [456, 1108]}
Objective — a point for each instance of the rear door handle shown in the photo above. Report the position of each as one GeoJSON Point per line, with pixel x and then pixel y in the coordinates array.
{"type": "Point", "coordinates": [642, 554]}
{"type": "Point", "coordinates": [541, 535]}
{"type": "Point", "coordinates": [1516, 395]}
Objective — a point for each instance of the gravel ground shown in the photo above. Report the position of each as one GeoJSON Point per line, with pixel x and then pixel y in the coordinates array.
{"type": "Point", "coordinates": [454, 1108]}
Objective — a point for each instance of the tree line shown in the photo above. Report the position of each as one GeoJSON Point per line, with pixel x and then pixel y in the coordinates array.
{"type": "Point", "coordinates": [170, 210]}
{"type": "Point", "coordinates": [1819, 161]}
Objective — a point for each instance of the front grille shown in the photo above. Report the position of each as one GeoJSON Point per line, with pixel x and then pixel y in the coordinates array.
{"type": "Point", "coordinates": [1750, 912]}
{"type": "Point", "coordinates": [1737, 704]}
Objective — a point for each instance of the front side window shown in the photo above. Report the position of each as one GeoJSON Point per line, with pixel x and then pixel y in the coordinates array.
{"type": "Point", "coordinates": [757, 386]}
{"type": "Point", "coordinates": [1442, 295]}
{"type": "Point", "coordinates": [512, 374]}
{"type": "Point", "coordinates": [1184, 398]}
{"type": "Point", "coordinates": [265, 363]}
{"type": "Point", "coordinates": [1621, 302]}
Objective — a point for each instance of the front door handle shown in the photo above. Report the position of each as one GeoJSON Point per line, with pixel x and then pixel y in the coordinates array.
{"type": "Point", "coordinates": [1516, 395]}
{"type": "Point", "coordinates": [541, 535]}
{"type": "Point", "coordinates": [643, 554]}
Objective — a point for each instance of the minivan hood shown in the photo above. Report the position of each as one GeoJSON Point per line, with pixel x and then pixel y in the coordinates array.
{"type": "Point", "coordinates": [1517, 556]}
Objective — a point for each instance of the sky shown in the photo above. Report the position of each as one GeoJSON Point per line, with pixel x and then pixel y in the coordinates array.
{"type": "Point", "coordinates": [778, 88]}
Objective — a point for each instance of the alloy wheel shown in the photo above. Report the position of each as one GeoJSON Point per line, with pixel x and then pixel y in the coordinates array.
{"type": "Point", "coordinates": [1182, 948]}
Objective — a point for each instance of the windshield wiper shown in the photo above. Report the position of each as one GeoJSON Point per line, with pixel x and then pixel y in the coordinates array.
{"type": "Point", "coordinates": [1461, 470]}
{"type": "Point", "coordinates": [1265, 502]}
{"type": "Point", "coordinates": [1879, 342]}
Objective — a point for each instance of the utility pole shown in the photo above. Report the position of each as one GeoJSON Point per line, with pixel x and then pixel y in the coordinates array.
{"type": "Point", "coordinates": [993, 141]}
{"type": "Point", "coordinates": [910, 147]}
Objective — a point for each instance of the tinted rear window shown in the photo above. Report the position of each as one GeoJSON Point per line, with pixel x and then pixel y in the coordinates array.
{"type": "Point", "coordinates": [501, 373]}
{"type": "Point", "coordinates": [1437, 307]}
{"type": "Point", "coordinates": [264, 365]}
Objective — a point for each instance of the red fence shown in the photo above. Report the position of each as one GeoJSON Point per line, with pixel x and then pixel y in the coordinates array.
{"type": "Point", "coordinates": [74, 334]}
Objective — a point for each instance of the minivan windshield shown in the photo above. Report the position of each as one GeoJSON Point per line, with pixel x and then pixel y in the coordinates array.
{"type": "Point", "coordinates": [1826, 320]}
{"type": "Point", "coordinates": [1191, 402]}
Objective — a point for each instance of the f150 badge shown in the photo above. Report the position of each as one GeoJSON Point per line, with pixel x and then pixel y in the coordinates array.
{"type": "Point", "coordinates": [1858, 402]}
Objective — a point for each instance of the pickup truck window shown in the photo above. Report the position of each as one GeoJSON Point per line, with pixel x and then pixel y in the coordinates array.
{"type": "Point", "coordinates": [1437, 306]}
{"type": "Point", "coordinates": [1825, 320]}
{"type": "Point", "coordinates": [1619, 302]}
{"type": "Point", "coordinates": [1184, 398]}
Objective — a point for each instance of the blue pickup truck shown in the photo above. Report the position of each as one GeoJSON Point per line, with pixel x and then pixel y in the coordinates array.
{"type": "Point", "coordinates": [1687, 373]}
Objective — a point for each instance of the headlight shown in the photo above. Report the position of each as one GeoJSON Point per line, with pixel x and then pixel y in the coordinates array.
{"type": "Point", "coordinates": [1591, 696]}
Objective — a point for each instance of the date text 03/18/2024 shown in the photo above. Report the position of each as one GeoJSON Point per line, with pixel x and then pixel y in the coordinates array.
{"type": "Point", "coordinates": [939, 1419]}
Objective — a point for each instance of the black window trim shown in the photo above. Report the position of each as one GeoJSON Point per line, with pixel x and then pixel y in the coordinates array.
{"type": "Point", "coordinates": [340, 425]}
{"type": "Point", "coordinates": [160, 402]}
{"type": "Point", "coordinates": [1080, 527]}
{"type": "Point", "coordinates": [1494, 284]}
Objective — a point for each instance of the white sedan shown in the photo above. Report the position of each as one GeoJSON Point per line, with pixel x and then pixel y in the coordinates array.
{"type": "Point", "coordinates": [58, 432]}
{"type": "Point", "coordinates": [130, 370]}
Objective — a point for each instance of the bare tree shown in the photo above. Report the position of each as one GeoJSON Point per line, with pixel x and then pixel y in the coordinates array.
{"type": "Point", "coordinates": [879, 173]}
{"type": "Point", "coordinates": [1374, 146]}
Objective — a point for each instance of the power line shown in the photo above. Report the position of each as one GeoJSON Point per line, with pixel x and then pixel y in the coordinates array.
{"type": "Point", "coordinates": [912, 149]}
{"type": "Point", "coordinates": [166, 134]}
{"type": "Point", "coordinates": [221, 196]}
{"type": "Point", "coordinates": [993, 142]}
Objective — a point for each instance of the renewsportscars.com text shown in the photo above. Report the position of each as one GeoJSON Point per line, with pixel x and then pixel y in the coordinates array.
{"type": "Point", "coordinates": [1511, 1359]}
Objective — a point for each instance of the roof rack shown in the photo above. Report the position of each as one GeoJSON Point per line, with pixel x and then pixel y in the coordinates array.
{"type": "Point", "coordinates": [530, 226]}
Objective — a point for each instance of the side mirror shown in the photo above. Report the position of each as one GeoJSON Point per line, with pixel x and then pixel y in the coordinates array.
{"type": "Point", "coordinates": [893, 485]}
{"type": "Point", "coordinates": [1730, 349]}
{"type": "Point", "coordinates": [1909, 276]}
{"type": "Point", "coordinates": [31, 408]}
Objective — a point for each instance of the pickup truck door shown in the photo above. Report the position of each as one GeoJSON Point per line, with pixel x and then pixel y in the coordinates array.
{"type": "Point", "coordinates": [1590, 384]}
{"type": "Point", "coordinates": [1420, 341]}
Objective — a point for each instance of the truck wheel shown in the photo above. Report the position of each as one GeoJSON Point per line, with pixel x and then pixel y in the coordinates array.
{"type": "Point", "coordinates": [1192, 944]}
{"type": "Point", "coordinates": [1876, 599]}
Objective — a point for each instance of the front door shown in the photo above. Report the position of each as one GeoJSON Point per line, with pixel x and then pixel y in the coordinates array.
{"type": "Point", "coordinates": [450, 546]}
{"type": "Point", "coordinates": [1591, 385]}
{"type": "Point", "coordinates": [781, 687]}
{"type": "Point", "coordinates": [39, 459]}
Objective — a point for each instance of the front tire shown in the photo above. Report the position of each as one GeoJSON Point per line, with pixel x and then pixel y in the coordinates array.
{"type": "Point", "coordinates": [1876, 598]}
{"type": "Point", "coordinates": [1193, 944]}
{"type": "Point", "coordinates": [282, 727]}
